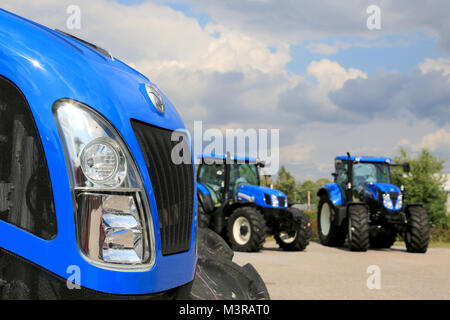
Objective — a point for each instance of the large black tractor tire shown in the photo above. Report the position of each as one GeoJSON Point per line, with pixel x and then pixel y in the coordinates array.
{"type": "Point", "coordinates": [204, 219]}
{"type": "Point", "coordinates": [296, 240]}
{"type": "Point", "coordinates": [329, 233]}
{"type": "Point", "coordinates": [358, 228]}
{"type": "Point", "coordinates": [246, 229]}
{"type": "Point", "coordinates": [218, 278]}
{"type": "Point", "coordinates": [383, 239]}
{"type": "Point", "coordinates": [417, 234]}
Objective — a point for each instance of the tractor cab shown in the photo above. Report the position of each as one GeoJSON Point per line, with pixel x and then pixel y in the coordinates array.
{"type": "Point", "coordinates": [232, 202]}
{"type": "Point", "coordinates": [237, 181]}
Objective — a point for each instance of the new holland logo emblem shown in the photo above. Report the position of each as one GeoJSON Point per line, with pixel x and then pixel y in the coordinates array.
{"type": "Point", "coordinates": [155, 97]}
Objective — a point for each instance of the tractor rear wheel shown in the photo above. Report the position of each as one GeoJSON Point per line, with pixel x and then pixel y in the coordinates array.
{"type": "Point", "coordinates": [329, 233]}
{"type": "Point", "coordinates": [296, 240]}
{"type": "Point", "coordinates": [246, 229]}
{"type": "Point", "coordinates": [417, 234]}
{"type": "Point", "coordinates": [358, 228]}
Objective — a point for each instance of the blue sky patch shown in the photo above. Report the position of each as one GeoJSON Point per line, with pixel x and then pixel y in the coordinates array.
{"type": "Point", "coordinates": [395, 52]}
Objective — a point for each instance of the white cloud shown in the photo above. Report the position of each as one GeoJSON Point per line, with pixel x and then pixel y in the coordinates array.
{"type": "Point", "coordinates": [156, 36]}
{"type": "Point", "coordinates": [441, 65]}
{"type": "Point", "coordinates": [322, 48]}
{"type": "Point", "coordinates": [297, 154]}
{"type": "Point", "coordinates": [434, 141]}
{"type": "Point", "coordinates": [331, 75]}
{"type": "Point", "coordinates": [330, 49]}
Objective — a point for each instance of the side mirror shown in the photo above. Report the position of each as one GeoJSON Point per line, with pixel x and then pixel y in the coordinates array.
{"type": "Point", "coordinates": [406, 167]}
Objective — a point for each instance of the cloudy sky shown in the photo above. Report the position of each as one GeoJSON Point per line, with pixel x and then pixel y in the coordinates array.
{"type": "Point", "coordinates": [310, 68]}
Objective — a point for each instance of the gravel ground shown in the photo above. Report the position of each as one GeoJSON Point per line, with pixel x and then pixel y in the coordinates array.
{"type": "Point", "coordinates": [336, 273]}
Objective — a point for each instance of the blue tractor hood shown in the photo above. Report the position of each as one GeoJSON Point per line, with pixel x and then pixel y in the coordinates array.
{"type": "Point", "coordinates": [261, 196]}
{"type": "Point", "coordinates": [376, 188]}
{"type": "Point", "coordinates": [378, 192]}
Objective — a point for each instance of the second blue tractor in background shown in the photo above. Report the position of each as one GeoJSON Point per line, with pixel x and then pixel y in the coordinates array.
{"type": "Point", "coordinates": [364, 206]}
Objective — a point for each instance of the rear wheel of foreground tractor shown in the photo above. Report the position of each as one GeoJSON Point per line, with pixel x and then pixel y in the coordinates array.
{"type": "Point", "coordinates": [246, 230]}
{"type": "Point", "coordinates": [329, 234]}
{"type": "Point", "coordinates": [358, 228]}
{"type": "Point", "coordinates": [296, 240]}
{"type": "Point", "coordinates": [417, 234]}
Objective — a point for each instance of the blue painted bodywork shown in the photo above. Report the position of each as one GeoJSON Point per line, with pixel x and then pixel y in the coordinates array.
{"type": "Point", "coordinates": [255, 194]}
{"type": "Point", "coordinates": [366, 159]}
{"type": "Point", "coordinates": [374, 190]}
{"type": "Point", "coordinates": [47, 66]}
{"type": "Point", "coordinates": [336, 196]}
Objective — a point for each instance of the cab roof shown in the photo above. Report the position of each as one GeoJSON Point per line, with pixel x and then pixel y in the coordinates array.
{"type": "Point", "coordinates": [366, 159]}
{"type": "Point", "coordinates": [224, 157]}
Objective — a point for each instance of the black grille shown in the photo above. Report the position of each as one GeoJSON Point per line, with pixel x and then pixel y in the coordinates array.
{"type": "Point", "coordinates": [173, 184]}
{"type": "Point", "coordinates": [394, 197]}
{"type": "Point", "coordinates": [281, 201]}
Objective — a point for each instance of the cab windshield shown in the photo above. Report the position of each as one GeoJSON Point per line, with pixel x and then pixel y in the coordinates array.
{"type": "Point", "coordinates": [213, 177]}
{"type": "Point", "coordinates": [370, 172]}
{"type": "Point", "coordinates": [244, 174]}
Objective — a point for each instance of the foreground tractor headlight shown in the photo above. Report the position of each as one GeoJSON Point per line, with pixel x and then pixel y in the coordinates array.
{"type": "Point", "coordinates": [103, 162]}
{"type": "Point", "coordinates": [387, 201]}
{"type": "Point", "coordinates": [114, 225]}
{"type": "Point", "coordinates": [399, 203]}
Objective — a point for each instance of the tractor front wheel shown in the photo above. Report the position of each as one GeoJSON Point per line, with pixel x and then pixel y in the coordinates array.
{"type": "Point", "coordinates": [358, 228]}
{"type": "Point", "coordinates": [417, 234]}
{"type": "Point", "coordinates": [246, 230]}
{"type": "Point", "coordinates": [296, 240]}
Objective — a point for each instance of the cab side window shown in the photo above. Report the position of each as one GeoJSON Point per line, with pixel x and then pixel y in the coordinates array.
{"type": "Point", "coordinates": [341, 177]}
{"type": "Point", "coordinates": [212, 176]}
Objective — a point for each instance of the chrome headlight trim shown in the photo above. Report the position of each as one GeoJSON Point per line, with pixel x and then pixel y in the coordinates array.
{"type": "Point", "coordinates": [79, 127]}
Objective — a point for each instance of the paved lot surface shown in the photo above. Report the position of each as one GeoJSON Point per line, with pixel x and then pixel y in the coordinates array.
{"type": "Point", "coordinates": [336, 273]}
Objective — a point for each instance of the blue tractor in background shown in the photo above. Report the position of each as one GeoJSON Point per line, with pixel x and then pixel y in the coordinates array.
{"type": "Point", "coordinates": [232, 202]}
{"type": "Point", "coordinates": [363, 205]}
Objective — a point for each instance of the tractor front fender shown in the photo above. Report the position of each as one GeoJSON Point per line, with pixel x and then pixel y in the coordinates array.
{"type": "Point", "coordinates": [204, 198]}
{"type": "Point", "coordinates": [333, 192]}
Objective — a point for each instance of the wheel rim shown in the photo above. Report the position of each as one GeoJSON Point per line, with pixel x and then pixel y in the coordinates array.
{"type": "Point", "coordinates": [242, 231]}
{"type": "Point", "coordinates": [286, 238]}
{"type": "Point", "coordinates": [325, 217]}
